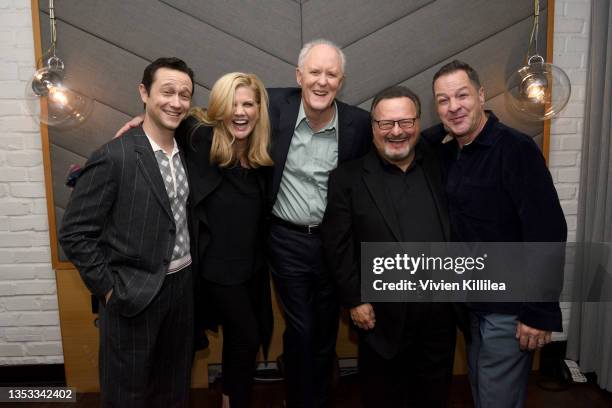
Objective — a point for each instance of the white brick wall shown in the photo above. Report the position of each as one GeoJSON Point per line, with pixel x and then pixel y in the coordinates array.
{"type": "Point", "coordinates": [29, 321]}
{"type": "Point", "coordinates": [571, 43]}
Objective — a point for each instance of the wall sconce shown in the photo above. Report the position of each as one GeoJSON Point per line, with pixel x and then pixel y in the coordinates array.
{"type": "Point", "coordinates": [538, 90]}
{"type": "Point", "coordinates": [47, 98]}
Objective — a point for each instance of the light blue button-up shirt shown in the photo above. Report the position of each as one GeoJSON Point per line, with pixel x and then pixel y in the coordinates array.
{"type": "Point", "coordinates": [302, 195]}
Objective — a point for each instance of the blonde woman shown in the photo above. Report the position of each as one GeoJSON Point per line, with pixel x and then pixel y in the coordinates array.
{"type": "Point", "coordinates": [226, 152]}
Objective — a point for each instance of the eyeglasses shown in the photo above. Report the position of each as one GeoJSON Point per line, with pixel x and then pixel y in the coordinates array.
{"type": "Point", "coordinates": [390, 124]}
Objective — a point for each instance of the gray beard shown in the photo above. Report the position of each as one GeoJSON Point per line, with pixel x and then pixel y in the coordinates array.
{"type": "Point", "coordinates": [397, 156]}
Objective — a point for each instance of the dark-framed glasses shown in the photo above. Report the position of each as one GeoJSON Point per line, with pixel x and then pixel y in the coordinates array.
{"type": "Point", "coordinates": [407, 123]}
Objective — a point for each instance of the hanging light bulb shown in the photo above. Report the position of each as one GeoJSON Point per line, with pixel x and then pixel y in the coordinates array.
{"type": "Point", "coordinates": [47, 98]}
{"type": "Point", "coordinates": [49, 101]}
{"type": "Point", "coordinates": [538, 90]}
{"type": "Point", "coordinates": [533, 84]}
{"type": "Point", "coordinates": [50, 75]}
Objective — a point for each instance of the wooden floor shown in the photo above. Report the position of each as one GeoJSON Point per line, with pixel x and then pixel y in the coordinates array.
{"type": "Point", "coordinates": [346, 395]}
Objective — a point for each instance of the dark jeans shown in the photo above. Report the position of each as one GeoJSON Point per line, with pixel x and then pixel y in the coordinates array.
{"type": "Point", "coordinates": [311, 315]}
{"type": "Point", "coordinates": [235, 306]}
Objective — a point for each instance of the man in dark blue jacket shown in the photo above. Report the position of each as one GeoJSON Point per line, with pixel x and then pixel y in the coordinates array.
{"type": "Point", "coordinates": [499, 190]}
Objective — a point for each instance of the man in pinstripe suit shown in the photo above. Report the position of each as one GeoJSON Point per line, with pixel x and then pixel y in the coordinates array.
{"type": "Point", "coordinates": [125, 229]}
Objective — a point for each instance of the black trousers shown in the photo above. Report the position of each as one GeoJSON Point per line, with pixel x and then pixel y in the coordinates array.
{"type": "Point", "coordinates": [146, 360]}
{"type": "Point", "coordinates": [311, 314]}
{"type": "Point", "coordinates": [235, 305]}
{"type": "Point", "coordinates": [420, 374]}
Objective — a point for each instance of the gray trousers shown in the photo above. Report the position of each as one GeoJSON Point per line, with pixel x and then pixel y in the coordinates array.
{"type": "Point", "coordinates": [497, 368]}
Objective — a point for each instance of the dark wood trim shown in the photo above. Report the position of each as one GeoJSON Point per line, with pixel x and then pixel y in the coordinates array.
{"type": "Point", "coordinates": [550, 31]}
{"type": "Point", "coordinates": [46, 151]}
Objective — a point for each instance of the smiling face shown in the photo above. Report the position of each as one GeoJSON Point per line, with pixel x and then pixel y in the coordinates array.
{"type": "Point", "coordinates": [320, 78]}
{"type": "Point", "coordinates": [245, 114]}
{"type": "Point", "coordinates": [168, 99]}
{"type": "Point", "coordinates": [460, 105]}
{"type": "Point", "coordinates": [396, 145]}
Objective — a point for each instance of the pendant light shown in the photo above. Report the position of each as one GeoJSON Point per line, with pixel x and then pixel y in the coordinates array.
{"type": "Point", "coordinates": [47, 98]}
{"type": "Point", "coordinates": [538, 90]}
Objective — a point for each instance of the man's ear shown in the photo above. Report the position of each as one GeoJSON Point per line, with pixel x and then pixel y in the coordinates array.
{"type": "Point", "coordinates": [298, 76]}
{"type": "Point", "coordinates": [144, 95]}
{"type": "Point", "coordinates": [481, 96]}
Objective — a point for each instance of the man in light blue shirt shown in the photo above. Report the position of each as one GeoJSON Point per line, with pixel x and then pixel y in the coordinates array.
{"type": "Point", "coordinates": [312, 133]}
{"type": "Point", "coordinates": [312, 155]}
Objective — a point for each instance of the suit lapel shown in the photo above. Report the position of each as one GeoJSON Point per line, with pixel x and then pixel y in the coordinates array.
{"type": "Point", "coordinates": [205, 182]}
{"type": "Point", "coordinates": [286, 126]}
{"type": "Point", "coordinates": [373, 179]}
{"type": "Point", "coordinates": [346, 134]}
{"type": "Point", "coordinates": [147, 164]}
{"type": "Point", "coordinates": [203, 176]}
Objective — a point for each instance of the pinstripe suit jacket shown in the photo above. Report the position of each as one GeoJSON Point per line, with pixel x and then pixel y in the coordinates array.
{"type": "Point", "coordinates": [118, 228]}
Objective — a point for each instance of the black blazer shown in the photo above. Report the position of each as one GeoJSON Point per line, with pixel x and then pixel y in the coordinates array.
{"type": "Point", "coordinates": [118, 228]}
{"type": "Point", "coordinates": [354, 130]}
{"type": "Point", "coordinates": [204, 178]}
{"type": "Point", "coordinates": [358, 211]}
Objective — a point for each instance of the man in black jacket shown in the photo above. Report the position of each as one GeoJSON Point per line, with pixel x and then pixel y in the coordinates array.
{"type": "Point", "coordinates": [125, 229]}
{"type": "Point", "coordinates": [312, 133]}
{"type": "Point", "coordinates": [499, 190]}
{"type": "Point", "coordinates": [393, 194]}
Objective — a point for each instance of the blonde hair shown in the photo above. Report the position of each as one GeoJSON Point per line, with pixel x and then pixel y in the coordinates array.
{"type": "Point", "coordinates": [221, 106]}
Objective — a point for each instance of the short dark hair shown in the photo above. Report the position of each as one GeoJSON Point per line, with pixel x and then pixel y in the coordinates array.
{"type": "Point", "coordinates": [454, 66]}
{"type": "Point", "coordinates": [174, 63]}
{"type": "Point", "coordinates": [397, 91]}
